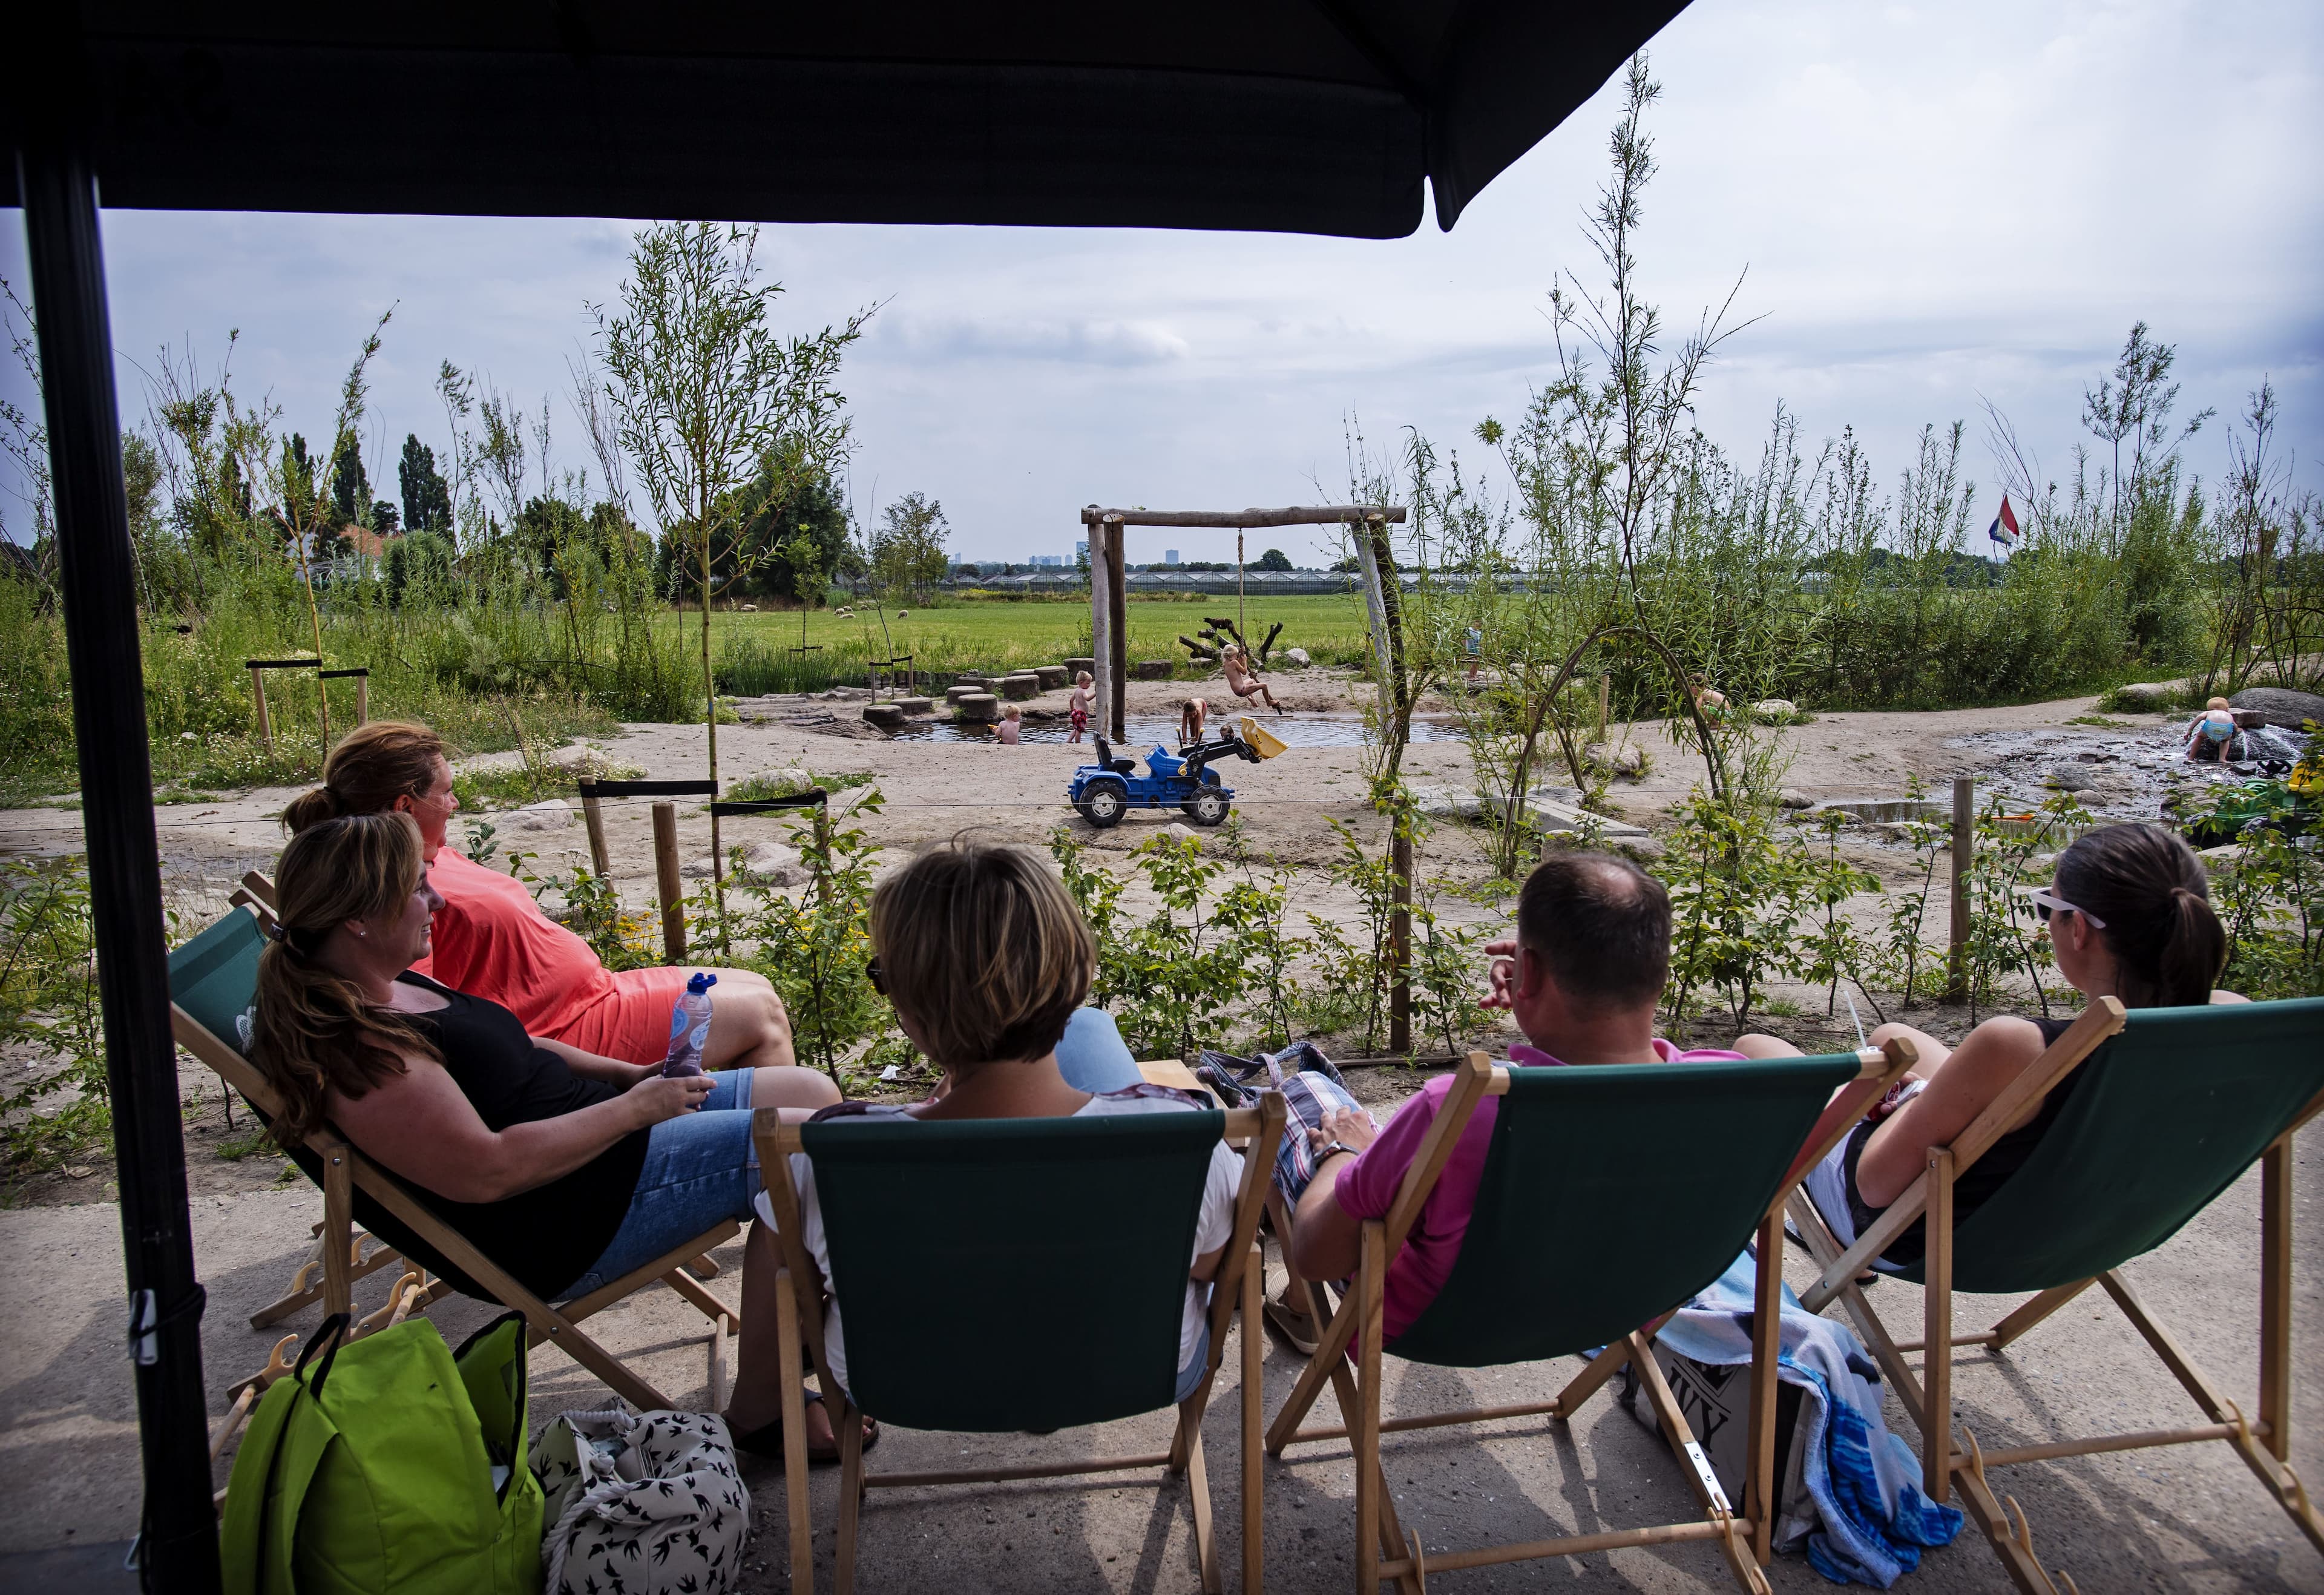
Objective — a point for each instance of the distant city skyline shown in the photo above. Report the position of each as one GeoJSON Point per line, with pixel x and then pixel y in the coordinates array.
{"type": "Point", "coordinates": [1928, 207]}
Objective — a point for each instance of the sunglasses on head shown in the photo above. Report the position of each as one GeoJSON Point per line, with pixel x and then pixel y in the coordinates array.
{"type": "Point", "coordinates": [876, 975]}
{"type": "Point", "coordinates": [2047, 903]}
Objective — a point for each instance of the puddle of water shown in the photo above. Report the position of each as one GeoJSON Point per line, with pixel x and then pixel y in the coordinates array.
{"type": "Point", "coordinates": [2134, 772]}
{"type": "Point", "coordinates": [1322, 731]}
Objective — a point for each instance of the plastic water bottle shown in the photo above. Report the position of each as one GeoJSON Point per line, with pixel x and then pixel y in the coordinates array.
{"type": "Point", "coordinates": [689, 1026]}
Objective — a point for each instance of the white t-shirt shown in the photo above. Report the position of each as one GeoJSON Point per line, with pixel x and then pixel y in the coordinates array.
{"type": "Point", "coordinates": [1213, 1227]}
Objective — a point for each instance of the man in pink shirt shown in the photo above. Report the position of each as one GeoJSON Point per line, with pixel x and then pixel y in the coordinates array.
{"type": "Point", "coordinates": [1582, 978]}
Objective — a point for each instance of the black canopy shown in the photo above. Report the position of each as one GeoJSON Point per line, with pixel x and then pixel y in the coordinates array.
{"type": "Point", "coordinates": [1284, 116]}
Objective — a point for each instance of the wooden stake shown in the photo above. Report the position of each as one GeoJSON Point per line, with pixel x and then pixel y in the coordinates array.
{"type": "Point", "coordinates": [1605, 701]}
{"type": "Point", "coordinates": [1100, 628]}
{"type": "Point", "coordinates": [595, 817]}
{"type": "Point", "coordinates": [1937, 1330]}
{"type": "Point", "coordinates": [1242, 621]}
{"type": "Point", "coordinates": [1399, 938]}
{"type": "Point", "coordinates": [673, 911]}
{"type": "Point", "coordinates": [1964, 852]}
{"type": "Point", "coordinates": [258, 697]}
{"type": "Point", "coordinates": [1117, 582]}
{"type": "Point", "coordinates": [363, 700]}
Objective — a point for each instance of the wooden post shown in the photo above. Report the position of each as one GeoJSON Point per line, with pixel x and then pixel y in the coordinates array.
{"type": "Point", "coordinates": [1117, 587]}
{"type": "Point", "coordinates": [1964, 852]}
{"type": "Point", "coordinates": [1242, 621]}
{"type": "Point", "coordinates": [673, 911]}
{"type": "Point", "coordinates": [1937, 1331]}
{"type": "Point", "coordinates": [258, 697]}
{"type": "Point", "coordinates": [1605, 700]}
{"type": "Point", "coordinates": [595, 817]}
{"type": "Point", "coordinates": [1101, 628]}
{"type": "Point", "coordinates": [363, 699]}
{"type": "Point", "coordinates": [1399, 935]}
{"type": "Point", "coordinates": [1767, 1347]}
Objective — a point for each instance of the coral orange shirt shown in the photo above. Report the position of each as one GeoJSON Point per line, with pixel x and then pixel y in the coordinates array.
{"type": "Point", "coordinates": [493, 941]}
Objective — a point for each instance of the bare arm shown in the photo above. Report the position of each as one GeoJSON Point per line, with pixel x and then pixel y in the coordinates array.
{"type": "Point", "coordinates": [1326, 1241]}
{"type": "Point", "coordinates": [589, 1065]}
{"type": "Point", "coordinates": [420, 1125]}
{"type": "Point", "coordinates": [1978, 1070]}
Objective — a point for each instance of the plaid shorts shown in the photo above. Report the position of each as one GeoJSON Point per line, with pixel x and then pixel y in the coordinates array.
{"type": "Point", "coordinates": [1311, 1088]}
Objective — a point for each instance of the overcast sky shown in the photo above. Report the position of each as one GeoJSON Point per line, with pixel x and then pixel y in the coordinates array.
{"type": "Point", "coordinates": [1933, 202]}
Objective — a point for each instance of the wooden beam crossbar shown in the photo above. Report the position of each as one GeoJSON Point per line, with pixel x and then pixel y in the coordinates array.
{"type": "Point", "coordinates": [1239, 520]}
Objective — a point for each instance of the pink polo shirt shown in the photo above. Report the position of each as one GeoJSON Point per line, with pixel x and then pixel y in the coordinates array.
{"type": "Point", "coordinates": [1368, 1186]}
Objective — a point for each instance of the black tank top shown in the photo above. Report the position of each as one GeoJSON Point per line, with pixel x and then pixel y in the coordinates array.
{"type": "Point", "coordinates": [1982, 1178]}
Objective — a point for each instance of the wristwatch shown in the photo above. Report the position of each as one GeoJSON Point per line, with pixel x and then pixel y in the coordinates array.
{"type": "Point", "coordinates": [1336, 1147]}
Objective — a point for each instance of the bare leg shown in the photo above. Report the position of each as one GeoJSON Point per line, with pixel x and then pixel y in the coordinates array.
{"type": "Point", "coordinates": [748, 1027]}
{"type": "Point", "coordinates": [759, 1364]}
{"type": "Point", "coordinates": [792, 1086]}
{"type": "Point", "coordinates": [1933, 1052]}
{"type": "Point", "coordinates": [1757, 1046]}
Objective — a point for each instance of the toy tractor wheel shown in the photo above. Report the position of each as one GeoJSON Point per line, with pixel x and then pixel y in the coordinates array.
{"type": "Point", "coordinates": [1206, 809]}
{"type": "Point", "coordinates": [1103, 803]}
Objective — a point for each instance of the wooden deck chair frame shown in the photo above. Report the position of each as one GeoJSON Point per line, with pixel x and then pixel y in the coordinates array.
{"type": "Point", "coordinates": [1241, 1280]}
{"type": "Point", "coordinates": [346, 1170]}
{"type": "Point", "coordinates": [2264, 1445]}
{"type": "Point", "coordinates": [1384, 1550]}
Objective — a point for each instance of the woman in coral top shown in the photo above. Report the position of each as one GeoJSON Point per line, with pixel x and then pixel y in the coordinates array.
{"type": "Point", "coordinates": [493, 941]}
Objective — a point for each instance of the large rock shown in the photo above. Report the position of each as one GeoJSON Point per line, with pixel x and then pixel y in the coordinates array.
{"type": "Point", "coordinates": [2149, 697]}
{"type": "Point", "coordinates": [2281, 706]}
{"type": "Point", "coordinates": [766, 862]}
{"type": "Point", "coordinates": [982, 707]}
{"type": "Point", "coordinates": [1151, 669]}
{"type": "Point", "coordinates": [1775, 708]}
{"type": "Point", "coordinates": [1625, 759]}
{"type": "Point", "coordinates": [552, 816]}
{"type": "Point", "coordinates": [1792, 799]}
{"type": "Point", "coordinates": [1296, 656]}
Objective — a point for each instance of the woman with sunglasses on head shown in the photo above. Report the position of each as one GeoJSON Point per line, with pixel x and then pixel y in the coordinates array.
{"type": "Point", "coordinates": [2129, 917]}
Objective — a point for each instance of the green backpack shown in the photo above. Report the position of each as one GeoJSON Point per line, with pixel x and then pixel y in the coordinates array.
{"type": "Point", "coordinates": [396, 1467]}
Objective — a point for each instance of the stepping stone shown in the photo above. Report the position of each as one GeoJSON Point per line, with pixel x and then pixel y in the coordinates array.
{"type": "Point", "coordinates": [953, 695]}
{"type": "Point", "coordinates": [1052, 677]}
{"type": "Point", "coordinates": [1075, 667]}
{"type": "Point", "coordinates": [886, 716]}
{"type": "Point", "coordinates": [1151, 669]}
{"type": "Point", "coordinates": [914, 705]}
{"type": "Point", "coordinates": [981, 708]}
{"type": "Point", "coordinates": [1017, 688]}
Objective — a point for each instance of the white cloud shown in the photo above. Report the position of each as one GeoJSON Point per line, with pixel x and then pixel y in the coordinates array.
{"type": "Point", "coordinates": [1935, 203]}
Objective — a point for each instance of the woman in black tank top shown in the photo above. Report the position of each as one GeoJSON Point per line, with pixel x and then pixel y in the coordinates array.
{"type": "Point", "coordinates": [2129, 916]}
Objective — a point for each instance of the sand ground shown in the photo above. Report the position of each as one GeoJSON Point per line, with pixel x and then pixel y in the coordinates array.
{"type": "Point", "coordinates": [2188, 1519]}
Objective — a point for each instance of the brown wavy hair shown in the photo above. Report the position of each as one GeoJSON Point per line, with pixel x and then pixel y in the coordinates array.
{"type": "Point", "coordinates": [372, 767]}
{"type": "Point", "coordinates": [2149, 887]}
{"type": "Point", "coordinates": [315, 1031]}
{"type": "Point", "coordinates": [984, 948]}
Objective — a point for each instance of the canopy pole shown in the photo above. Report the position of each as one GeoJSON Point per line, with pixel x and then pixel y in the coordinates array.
{"type": "Point", "coordinates": [97, 574]}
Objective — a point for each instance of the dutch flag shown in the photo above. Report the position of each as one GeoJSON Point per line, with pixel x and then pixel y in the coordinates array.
{"type": "Point", "coordinates": [2003, 530]}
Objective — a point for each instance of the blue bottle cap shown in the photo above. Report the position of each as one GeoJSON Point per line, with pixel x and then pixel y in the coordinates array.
{"type": "Point", "coordinates": [701, 981]}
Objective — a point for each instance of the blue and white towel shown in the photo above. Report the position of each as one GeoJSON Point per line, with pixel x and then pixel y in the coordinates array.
{"type": "Point", "coordinates": [1864, 1482]}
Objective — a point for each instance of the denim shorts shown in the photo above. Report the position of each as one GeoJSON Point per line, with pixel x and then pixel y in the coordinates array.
{"type": "Point", "coordinates": [699, 1168]}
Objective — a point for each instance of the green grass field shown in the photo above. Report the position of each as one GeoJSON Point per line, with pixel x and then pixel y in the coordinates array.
{"type": "Point", "coordinates": [753, 650]}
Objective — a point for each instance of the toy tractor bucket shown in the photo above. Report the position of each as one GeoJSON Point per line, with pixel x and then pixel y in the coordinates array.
{"type": "Point", "coordinates": [1256, 735]}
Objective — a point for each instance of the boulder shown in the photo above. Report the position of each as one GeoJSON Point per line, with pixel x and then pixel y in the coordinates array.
{"type": "Point", "coordinates": [1625, 759]}
{"type": "Point", "coordinates": [750, 609]}
{"type": "Point", "coordinates": [2152, 696]}
{"type": "Point", "coordinates": [2082, 777]}
{"type": "Point", "coordinates": [1017, 688]}
{"type": "Point", "coordinates": [1296, 656]}
{"type": "Point", "coordinates": [554, 815]}
{"type": "Point", "coordinates": [1792, 799]}
{"type": "Point", "coordinates": [2281, 705]}
{"type": "Point", "coordinates": [1151, 669]}
{"type": "Point", "coordinates": [1178, 830]}
{"type": "Point", "coordinates": [914, 705]}
{"type": "Point", "coordinates": [886, 716]}
{"type": "Point", "coordinates": [1052, 677]}
{"type": "Point", "coordinates": [765, 861]}
{"type": "Point", "coordinates": [2224, 857]}
{"type": "Point", "coordinates": [978, 707]}
{"type": "Point", "coordinates": [1775, 708]}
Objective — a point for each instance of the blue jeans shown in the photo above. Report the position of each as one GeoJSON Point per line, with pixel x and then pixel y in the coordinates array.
{"type": "Point", "coordinates": [1092, 1055]}
{"type": "Point", "coordinates": [699, 1168]}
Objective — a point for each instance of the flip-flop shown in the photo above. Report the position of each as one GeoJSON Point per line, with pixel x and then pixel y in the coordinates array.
{"type": "Point", "coordinates": [767, 1440]}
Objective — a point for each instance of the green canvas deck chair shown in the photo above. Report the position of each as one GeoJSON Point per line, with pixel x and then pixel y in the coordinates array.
{"type": "Point", "coordinates": [1611, 1195]}
{"type": "Point", "coordinates": [956, 1246]}
{"type": "Point", "coordinates": [2177, 1104]}
{"type": "Point", "coordinates": [213, 982]}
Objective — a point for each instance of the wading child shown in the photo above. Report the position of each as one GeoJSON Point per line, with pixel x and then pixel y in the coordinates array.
{"type": "Point", "coordinates": [1010, 732]}
{"type": "Point", "coordinates": [2209, 733]}
{"type": "Point", "coordinates": [1192, 714]}
{"type": "Point", "coordinates": [1079, 706]}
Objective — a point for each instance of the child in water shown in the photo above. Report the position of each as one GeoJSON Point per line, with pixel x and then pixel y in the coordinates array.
{"type": "Point", "coordinates": [2209, 733]}
{"type": "Point", "coordinates": [1192, 714]}
{"type": "Point", "coordinates": [1079, 703]}
{"type": "Point", "coordinates": [1011, 731]}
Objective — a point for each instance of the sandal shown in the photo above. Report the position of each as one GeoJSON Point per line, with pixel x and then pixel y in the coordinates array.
{"type": "Point", "coordinates": [767, 1440]}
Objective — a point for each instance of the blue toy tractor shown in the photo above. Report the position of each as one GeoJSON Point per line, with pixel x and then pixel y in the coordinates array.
{"type": "Point", "coordinates": [1105, 791]}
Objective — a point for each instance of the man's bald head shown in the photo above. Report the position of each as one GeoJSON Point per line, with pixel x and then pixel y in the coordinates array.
{"type": "Point", "coordinates": [1602, 928]}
